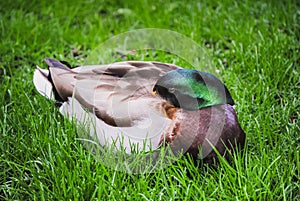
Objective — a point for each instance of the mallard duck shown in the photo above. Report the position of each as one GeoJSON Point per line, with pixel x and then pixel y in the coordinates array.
{"type": "Point", "coordinates": [148, 104]}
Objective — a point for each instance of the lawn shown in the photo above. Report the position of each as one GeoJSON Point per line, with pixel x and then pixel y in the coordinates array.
{"type": "Point", "coordinates": [254, 45]}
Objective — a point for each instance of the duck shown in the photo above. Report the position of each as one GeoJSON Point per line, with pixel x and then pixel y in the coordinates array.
{"type": "Point", "coordinates": [146, 104]}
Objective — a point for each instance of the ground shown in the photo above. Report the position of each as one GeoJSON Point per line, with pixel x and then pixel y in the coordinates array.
{"type": "Point", "coordinates": [254, 46]}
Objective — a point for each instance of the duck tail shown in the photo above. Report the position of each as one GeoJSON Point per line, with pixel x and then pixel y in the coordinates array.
{"type": "Point", "coordinates": [42, 83]}
{"type": "Point", "coordinates": [47, 82]}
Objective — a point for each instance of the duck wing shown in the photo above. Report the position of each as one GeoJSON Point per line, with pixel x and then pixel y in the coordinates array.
{"type": "Point", "coordinates": [117, 98]}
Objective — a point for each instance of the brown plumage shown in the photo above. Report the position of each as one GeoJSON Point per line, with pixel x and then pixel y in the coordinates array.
{"type": "Point", "coordinates": [118, 99]}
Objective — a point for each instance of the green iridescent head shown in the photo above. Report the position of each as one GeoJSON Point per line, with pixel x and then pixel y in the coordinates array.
{"type": "Point", "coordinates": [192, 89]}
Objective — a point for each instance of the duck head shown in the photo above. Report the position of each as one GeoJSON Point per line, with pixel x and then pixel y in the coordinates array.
{"type": "Point", "coordinates": [192, 89]}
{"type": "Point", "coordinates": [204, 121]}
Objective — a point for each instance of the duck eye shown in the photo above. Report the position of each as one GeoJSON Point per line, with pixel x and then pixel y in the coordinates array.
{"type": "Point", "coordinates": [201, 101]}
{"type": "Point", "coordinates": [171, 90]}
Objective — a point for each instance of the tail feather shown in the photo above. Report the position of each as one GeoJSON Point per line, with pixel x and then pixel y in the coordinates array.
{"type": "Point", "coordinates": [42, 83]}
{"type": "Point", "coordinates": [55, 64]}
{"type": "Point", "coordinates": [56, 82]}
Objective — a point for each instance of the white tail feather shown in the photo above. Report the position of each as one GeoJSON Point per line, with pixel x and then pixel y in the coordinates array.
{"type": "Point", "coordinates": [42, 84]}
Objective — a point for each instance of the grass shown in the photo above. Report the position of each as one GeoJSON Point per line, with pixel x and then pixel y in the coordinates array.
{"type": "Point", "coordinates": [255, 46]}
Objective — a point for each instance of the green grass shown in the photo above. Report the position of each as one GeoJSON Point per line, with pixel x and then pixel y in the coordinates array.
{"type": "Point", "coordinates": [254, 44]}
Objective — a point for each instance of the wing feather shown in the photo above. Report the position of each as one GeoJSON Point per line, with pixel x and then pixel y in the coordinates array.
{"type": "Point", "coordinates": [113, 101]}
{"type": "Point", "coordinates": [119, 93]}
